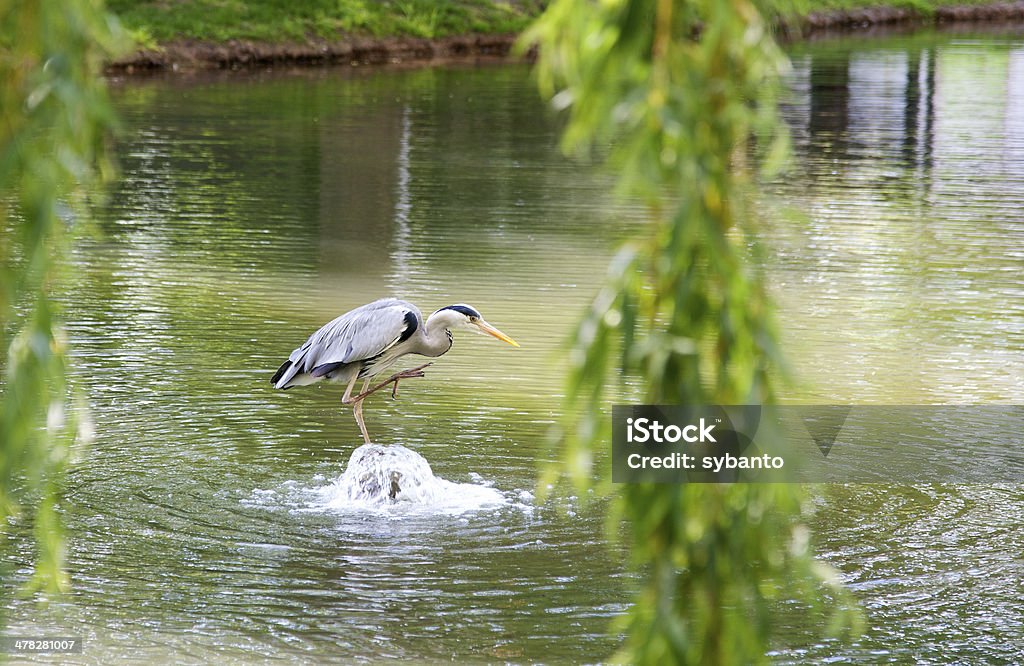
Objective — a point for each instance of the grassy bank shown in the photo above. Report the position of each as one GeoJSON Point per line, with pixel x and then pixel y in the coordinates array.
{"type": "Point", "coordinates": [153, 22]}
{"type": "Point", "coordinates": [190, 34]}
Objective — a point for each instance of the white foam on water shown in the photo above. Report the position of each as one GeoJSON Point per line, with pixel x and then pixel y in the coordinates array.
{"type": "Point", "coordinates": [392, 483]}
{"type": "Point", "coordinates": [398, 481]}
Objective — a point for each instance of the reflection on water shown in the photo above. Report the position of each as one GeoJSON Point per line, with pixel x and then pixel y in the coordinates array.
{"type": "Point", "coordinates": [903, 285]}
{"type": "Point", "coordinates": [255, 208]}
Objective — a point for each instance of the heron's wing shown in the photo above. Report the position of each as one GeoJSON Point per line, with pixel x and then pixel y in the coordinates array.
{"type": "Point", "coordinates": [359, 334]}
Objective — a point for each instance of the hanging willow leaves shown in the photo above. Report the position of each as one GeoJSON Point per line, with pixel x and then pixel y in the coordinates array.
{"type": "Point", "coordinates": [54, 120]}
{"type": "Point", "coordinates": [678, 88]}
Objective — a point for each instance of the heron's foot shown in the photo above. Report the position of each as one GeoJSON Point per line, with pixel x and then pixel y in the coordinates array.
{"type": "Point", "coordinates": [406, 374]}
{"type": "Point", "coordinates": [411, 373]}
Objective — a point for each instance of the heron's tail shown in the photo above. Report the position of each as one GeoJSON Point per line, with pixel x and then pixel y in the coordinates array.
{"type": "Point", "coordinates": [284, 374]}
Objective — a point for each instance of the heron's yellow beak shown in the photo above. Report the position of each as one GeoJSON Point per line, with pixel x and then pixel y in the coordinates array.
{"type": "Point", "coordinates": [490, 330]}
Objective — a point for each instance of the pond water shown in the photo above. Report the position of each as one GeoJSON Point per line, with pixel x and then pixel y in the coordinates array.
{"type": "Point", "coordinates": [254, 208]}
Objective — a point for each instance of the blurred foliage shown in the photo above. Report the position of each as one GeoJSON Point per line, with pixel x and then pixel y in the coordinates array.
{"type": "Point", "coordinates": [678, 89]}
{"type": "Point", "coordinates": [54, 120]}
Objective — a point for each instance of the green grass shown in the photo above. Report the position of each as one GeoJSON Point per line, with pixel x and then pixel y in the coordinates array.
{"type": "Point", "coordinates": [151, 22]}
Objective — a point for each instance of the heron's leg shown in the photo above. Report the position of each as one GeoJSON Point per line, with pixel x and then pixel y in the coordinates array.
{"type": "Point", "coordinates": [357, 411]}
{"type": "Point", "coordinates": [393, 379]}
{"type": "Point", "coordinates": [357, 405]}
{"type": "Point", "coordinates": [347, 399]}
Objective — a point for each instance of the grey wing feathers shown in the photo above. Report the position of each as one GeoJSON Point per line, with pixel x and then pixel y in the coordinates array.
{"type": "Point", "coordinates": [357, 335]}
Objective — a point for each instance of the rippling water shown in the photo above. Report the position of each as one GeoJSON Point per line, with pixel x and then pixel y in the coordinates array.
{"type": "Point", "coordinates": [899, 270]}
{"type": "Point", "coordinates": [255, 208]}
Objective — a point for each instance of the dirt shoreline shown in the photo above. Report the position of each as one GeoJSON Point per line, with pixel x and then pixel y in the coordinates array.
{"type": "Point", "coordinates": [192, 55]}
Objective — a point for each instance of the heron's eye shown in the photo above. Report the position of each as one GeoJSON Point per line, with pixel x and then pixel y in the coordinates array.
{"type": "Point", "coordinates": [473, 320]}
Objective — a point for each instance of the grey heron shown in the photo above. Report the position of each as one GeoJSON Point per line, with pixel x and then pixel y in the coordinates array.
{"type": "Point", "coordinates": [363, 342]}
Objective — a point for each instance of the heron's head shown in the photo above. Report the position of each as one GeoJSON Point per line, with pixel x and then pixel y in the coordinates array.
{"type": "Point", "coordinates": [466, 316]}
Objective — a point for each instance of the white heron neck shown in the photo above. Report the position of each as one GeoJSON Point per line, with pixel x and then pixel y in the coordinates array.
{"type": "Point", "coordinates": [437, 336]}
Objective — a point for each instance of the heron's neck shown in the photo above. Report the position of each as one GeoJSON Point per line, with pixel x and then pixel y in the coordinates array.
{"type": "Point", "coordinates": [437, 336]}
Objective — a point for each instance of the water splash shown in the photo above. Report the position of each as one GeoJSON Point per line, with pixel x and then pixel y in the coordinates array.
{"type": "Point", "coordinates": [396, 479]}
